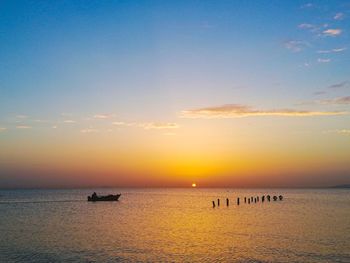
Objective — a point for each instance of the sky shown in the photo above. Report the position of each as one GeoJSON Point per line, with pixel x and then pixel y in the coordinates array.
{"type": "Point", "coordinates": [170, 93]}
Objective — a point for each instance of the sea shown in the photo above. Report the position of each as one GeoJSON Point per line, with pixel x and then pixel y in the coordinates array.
{"type": "Point", "coordinates": [174, 225]}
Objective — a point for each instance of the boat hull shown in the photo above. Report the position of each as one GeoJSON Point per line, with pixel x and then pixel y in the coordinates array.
{"type": "Point", "coordinates": [104, 198]}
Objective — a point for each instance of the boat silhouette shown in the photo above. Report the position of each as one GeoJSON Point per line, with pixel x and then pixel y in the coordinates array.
{"type": "Point", "coordinates": [94, 197]}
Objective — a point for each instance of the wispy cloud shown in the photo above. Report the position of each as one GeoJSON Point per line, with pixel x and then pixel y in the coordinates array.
{"type": "Point", "coordinates": [89, 130]}
{"type": "Point", "coordinates": [122, 123]}
{"type": "Point", "coordinates": [331, 50]}
{"type": "Point", "coordinates": [2, 129]}
{"type": "Point", "coordinates": [340, 100]}
{"type": "Point", "coordinates": [160, 125]}
{"type": "Point", "coordinates": [236, 110]}
{"type": "Point", "coordinates": [308, 5]}
{"type": "Point", "coordinates": [147, 125]}
{"type": "Point", "coordinates": [311, 27]}
{"type": "Point", "coordinates": [102, 116]}
{"type": "Point", "coordinates": [321, 60]}
{"type": "Point", "coordinates": [340, 85]}
{"type": "Point", "coordinates": [296, 46]}
{"type": "Point", "coordinates": [54, 127]}
{"type": "Point", "coordinates": [343, 131]}
{"type": "Point", "coordinates": [338, 49]}
{"type": "Point", "coordinates": [306, 26]}
{"type": "Point", "coordinates": [69, 121]}
{"type": "Point", "coordinates": [23, 127]}
{"type": "Point", "coordinates": [339, 16]}
{"type": "Point", "coordinates": [332, 32]}
{"type": "Point", "coordinates": [21, 116]}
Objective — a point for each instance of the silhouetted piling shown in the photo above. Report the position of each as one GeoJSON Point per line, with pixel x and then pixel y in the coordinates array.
{"type": "Point", "coordinates": [281, 197]}
{"type": "Point", "coordinates": [245, 199]}
{"type": "Point", "coordinates": [263, 198]}
{"type": "Point", "coordinates": [274, 198]}
{"type": "Point", "coordinates": [227, 202]}
{"type": "Point", "coordinates": [237, 200]}
{"type": "Point", "coordinates": [249, 201]}
{"type": "Point", "coordinates": [218, 202]}
{"type": "Point", "coordinates": [268, 198]}
{"type": "Point", "coordinates": [257, 198]}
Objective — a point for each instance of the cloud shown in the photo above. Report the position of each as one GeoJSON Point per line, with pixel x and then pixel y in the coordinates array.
{"type": "Point", "coordinates": [331, 50]}
{"type": "Point", "coordinates": [341, 100]}
{"type": "Point", "coordinates": [296, 46]}
{"type": "Point", "coordinates": [338, 49]}
{"type": "Point", "coordinates": [23, 127]}
{"type": "Point", "coordinates": [339, 16]}
{"type": "Point", "coordinates": [118, 123]}
{"type": "Point", "coordinates": [305, 26]}
{"type": "Point", "coordinates": [321, 60]}
{"type": "Point", "coordinates": [341, 85]}
{"type": "Point", "coordinates": [160, 126]}
{"type": "Point", "coordinates": [21, 116]}
{"type": "Point", "coordinates": [332, 32]}
{"type": "Point", "coordinates": [121, 123]}
{"type": "Point", "coordinates": [308, 5]}
{"type": "Point", "coordinates": [147, 125]}
{"type": "Point", "coordinates": [101, 116]}
{"type": "Point", "coordinates": [2, 129]}
{"type": "Point", "coordinates": [312, 28]}
{"type": "Point", "coordinates": [54, 127]}
{"type": "Point", "coordinates": [89, 130]}
{"type": "Point", "coordinates": [236, 110]}
{"type": "Point", "coordinates": [69, 121]}
{"type": "Point", "coordinates": [343, 131]}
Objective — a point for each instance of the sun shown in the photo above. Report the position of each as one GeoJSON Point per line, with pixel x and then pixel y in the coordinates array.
{"type": "Point", "coordinates": [194, 185]}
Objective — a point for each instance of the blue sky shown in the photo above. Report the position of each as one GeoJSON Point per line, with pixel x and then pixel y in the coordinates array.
{"type": "Point", "coordinates": [142, 62]}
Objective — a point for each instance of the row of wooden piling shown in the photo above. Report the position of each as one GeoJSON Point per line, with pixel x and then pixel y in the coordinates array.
{"type": "Point", "coordinates": [251, 199]}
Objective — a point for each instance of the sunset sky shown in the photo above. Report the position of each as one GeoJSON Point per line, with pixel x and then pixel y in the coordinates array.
{"type": "Point", "coordinates": [170, 93]}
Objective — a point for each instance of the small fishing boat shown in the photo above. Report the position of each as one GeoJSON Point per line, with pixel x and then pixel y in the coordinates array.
{"type": "Point", "coordinates": [94, 197]}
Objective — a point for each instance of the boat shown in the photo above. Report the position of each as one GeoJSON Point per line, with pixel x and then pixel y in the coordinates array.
{"type": "Point", "coordinates": [94, 197]}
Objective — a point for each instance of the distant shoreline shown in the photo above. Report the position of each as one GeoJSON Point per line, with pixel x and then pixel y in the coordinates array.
{"type": "Point", "coordinates": [343, 186]}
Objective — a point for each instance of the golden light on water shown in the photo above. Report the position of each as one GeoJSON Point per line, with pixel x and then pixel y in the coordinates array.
{"type": "Point", "coordinates": [194, 185]}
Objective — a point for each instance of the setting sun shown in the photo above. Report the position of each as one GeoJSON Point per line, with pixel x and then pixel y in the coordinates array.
{"type": "Point", "coordinates": [194, 185]}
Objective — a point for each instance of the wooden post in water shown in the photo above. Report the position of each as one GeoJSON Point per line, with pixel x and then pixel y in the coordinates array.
{"type": "Point", "coordinates": [280, 197]}
{"type": "Point", "coordinates": [245, 199]}
{"type": "Point", "coordinates": [249, 201]}
{"type": "Point", "coordinates": [227, 202]}
{"type": "Point", "coordinates": [213, 204]}
{"type": "Point", "coordinates": [237, 200]}
{"type": "Point", "coordinates": [268, 198]}
{"type": "Point", "coordinates": [257, 198]}
{"type": "Point", "coordinates": [263, 198]}
{"type": "Point", "coordinates": [218, 202]}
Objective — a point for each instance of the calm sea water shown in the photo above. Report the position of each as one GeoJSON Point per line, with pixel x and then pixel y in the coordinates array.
{"type": "Point", "coordinates": [174, 225]}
